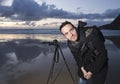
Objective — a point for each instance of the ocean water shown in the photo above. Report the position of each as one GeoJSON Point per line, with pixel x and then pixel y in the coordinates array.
{"type": "Point", "coordinates": [29, 31]}
{"type": "Point", "coordinates": [49, 31]}
{"type": "Point", "coordinates": [111, 32]}
{"type": "Point", "coordinates": [43, 34]}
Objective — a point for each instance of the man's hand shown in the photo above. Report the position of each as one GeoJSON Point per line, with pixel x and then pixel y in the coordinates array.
{"type": "Point", "coordinates": [88, 74]}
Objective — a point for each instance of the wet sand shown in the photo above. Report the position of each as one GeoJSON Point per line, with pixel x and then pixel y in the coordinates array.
{"type": "Point", "coordinates": [114, 60]}
{"type": "Point", "coordinates": [36, 71]}
{"type": "Point", "coordinates": [114, 39]}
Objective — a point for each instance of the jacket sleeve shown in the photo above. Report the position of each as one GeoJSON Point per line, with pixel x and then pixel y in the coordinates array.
{"type": "Point", "coordinates": [97, 46]}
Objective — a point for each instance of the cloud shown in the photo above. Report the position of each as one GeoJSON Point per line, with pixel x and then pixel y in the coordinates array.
{"type": "Point", "coordinates": [110, 13]}
{"type": "Point", "coordinates": [28, 10]}
{"type": "Point", "coordinates": [6, 11]}
{"type": "Point", "coordinates": [1, 1]}
{"type": "Point", "coordinates": [31, 10]}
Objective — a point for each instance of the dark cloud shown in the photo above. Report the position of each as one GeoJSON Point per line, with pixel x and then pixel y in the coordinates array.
{"type": "Point", "coordinates": [111, 13]}
{"type": "Point", "coordinates": [26, 9]}
{"type": "Point", "coordinates": [6, 11]}
{"type": "Point", "coordinates": [30, 10]}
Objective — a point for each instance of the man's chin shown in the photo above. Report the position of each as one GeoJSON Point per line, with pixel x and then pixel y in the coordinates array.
{"type": "Point", "coordinates": [72, 39]}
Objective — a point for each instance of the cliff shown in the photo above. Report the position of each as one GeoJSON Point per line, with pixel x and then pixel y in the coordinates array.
{"type": "Point", "coordinates": [115, 25]}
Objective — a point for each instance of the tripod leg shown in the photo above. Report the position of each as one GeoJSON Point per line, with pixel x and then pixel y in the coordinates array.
{"type": "Point", "coordinates": [67, 65]}
{"type": "Point", "coordinates": [51, 72]}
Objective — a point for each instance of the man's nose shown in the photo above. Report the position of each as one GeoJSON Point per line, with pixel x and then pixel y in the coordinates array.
{"type": "Point", "coordinates": [70, 34]}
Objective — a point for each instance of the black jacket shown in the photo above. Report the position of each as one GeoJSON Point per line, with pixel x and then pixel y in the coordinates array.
{"type": "Point", "coordinates": [89, 50]}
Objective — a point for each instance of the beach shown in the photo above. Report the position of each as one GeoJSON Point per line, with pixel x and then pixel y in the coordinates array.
{"type": "Point", "coordinates": [114, 59]}
{"type": "Point", "coordinates": [29, 61]}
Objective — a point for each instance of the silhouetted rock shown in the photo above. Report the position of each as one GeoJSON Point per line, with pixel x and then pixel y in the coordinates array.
{"type": "Point", "coordinates": [115, 25]}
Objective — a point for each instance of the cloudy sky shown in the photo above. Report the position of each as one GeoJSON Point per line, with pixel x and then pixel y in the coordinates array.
{"type": "Point", "coordinates": [50, 13]}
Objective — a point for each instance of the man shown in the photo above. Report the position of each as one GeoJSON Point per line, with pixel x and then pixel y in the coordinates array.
{"type": "Point", "coordinates": [88, 49]}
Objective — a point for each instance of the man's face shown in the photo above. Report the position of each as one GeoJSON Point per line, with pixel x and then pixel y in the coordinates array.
{"type": "Point", "coordinates": [69, 32]}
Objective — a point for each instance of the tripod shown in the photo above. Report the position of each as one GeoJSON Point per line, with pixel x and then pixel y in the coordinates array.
{"type": "Point", "coordinates": [56, 59]}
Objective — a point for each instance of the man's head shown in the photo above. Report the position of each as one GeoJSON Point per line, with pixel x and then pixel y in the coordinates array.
{"type": "Point", "coordinates": [69, 31]}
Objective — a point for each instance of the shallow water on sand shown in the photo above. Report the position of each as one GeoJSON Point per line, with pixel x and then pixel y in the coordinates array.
{"type": "Point", "coordinates": [25, 60]}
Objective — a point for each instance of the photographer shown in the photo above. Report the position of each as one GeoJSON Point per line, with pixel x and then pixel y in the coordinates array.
{"type": "Point", "coordinates": [88, 49]}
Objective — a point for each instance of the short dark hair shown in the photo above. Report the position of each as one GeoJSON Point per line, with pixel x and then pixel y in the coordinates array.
{"type": "Point", "coordinates": [65, 23]}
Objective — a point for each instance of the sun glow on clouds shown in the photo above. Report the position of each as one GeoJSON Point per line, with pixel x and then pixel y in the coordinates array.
{"type": "Point", "coordinates": [44, 23]}
{"type": "Point", "coordinates": [11, 24]}
{"type": "Point", "coordinates": [7, 2]}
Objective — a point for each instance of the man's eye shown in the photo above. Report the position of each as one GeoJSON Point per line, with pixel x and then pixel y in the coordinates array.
{"type": "Point", "coordinates": [72, 29]}
{"type": "Point", "coordinates": [66, 34]}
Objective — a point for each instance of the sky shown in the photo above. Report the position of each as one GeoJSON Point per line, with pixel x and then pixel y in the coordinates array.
{"type": "Point", "coordinates": [50, 13]}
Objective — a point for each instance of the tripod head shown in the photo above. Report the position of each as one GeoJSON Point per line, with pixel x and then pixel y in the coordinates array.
{"type": "Point", "coordinates": [54, 42]}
